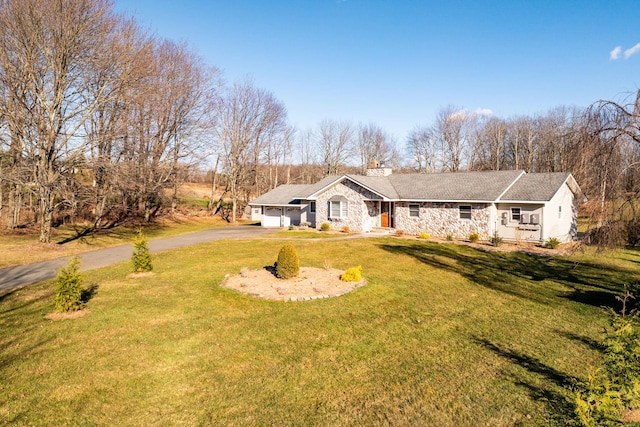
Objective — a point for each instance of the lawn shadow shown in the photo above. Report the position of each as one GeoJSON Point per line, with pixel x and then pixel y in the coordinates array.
{"type": "Point", "coordinates": [549, 390]}
{"type": "Point", "coordinates": [4, 294]}
{"type": "Point", "coordinates": [591, 343]}
{"type": "Point", "coordinates": [79, 234]}
{"type": "Point", "coordinates": [518, 274]}
{"type": "Point", "coordinates": [88, 293]}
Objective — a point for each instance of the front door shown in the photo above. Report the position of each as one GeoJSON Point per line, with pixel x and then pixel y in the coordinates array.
{"type": "Point", "coordinates": [385, 215]}
{"type": "Point", "coordinates": [384, 220]}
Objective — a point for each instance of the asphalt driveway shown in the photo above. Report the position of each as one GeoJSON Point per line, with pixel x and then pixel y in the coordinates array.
{"type": "Point", "coordinates": [20, 275]}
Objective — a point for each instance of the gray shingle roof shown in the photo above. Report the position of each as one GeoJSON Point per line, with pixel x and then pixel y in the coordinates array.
{"type": "Point", "coordinates": [380, 184]}
{"type": "Point", "coordinates": [285, 194]}
{"type": "Point", "coordinates": [487, 186]}
{"type": "Point", "coordinates": [536, 187]}
{"type": "Point", "coordinates": [453, 186]}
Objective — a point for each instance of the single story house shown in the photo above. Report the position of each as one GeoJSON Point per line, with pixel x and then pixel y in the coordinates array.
{"type": "Point", "coordinates": [516, 205]}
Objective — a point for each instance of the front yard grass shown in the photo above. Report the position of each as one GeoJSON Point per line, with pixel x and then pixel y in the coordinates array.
{"type": "Point", "coordinates": [442, 335]}
{"type": "Point", "coordinates": [24, 248]}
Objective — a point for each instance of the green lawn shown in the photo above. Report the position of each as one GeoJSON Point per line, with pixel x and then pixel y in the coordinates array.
{"type": "Point", "coordinates": [442, 335]}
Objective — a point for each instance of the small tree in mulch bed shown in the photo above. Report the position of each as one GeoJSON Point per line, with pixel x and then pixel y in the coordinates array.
{"type": "Point", "coordinates": [141, 258]}
{"type": "Point", "coordinates": [288, 264]}
{"type": "Point", "coordinates": [68, 291]}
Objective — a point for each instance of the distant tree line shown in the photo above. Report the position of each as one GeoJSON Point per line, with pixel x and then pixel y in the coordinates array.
{"type": "Point", "coordinates": [101, 121]}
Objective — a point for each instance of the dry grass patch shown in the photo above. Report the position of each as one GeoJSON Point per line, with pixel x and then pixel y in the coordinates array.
{"type": "Point", "coordinates": [55, 316]}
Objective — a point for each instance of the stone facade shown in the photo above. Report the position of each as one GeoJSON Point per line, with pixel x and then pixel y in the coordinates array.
{"type": "Point", "coordinates": [379, 171]}
{"type": "Point", "coordinates": [443, 219]}
{"type": "Point", "coordinates": [360, 211]}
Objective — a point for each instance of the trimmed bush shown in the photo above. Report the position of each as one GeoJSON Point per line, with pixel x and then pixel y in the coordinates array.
{"type": "Point", "coordinates": [552, 243]}
{"type": "Point", "coordinates": [473, 237]}
{"type": "Point", "coordinates": [141, 258]}
{"type": "Point", "coordinates": [325, 227]}
{"type": "Point", "coordinates": [353, 274]}
{"type": "Point", "coordinates": [424, 236]}
{"type": "Point", "coordinates": [346, 229]}
{"type": "Point", "coordinates": [288, 264]}
{"type": "Point", "coordinates": [68, 290]}
{"type": "Point", "coordinates": [399, 233]}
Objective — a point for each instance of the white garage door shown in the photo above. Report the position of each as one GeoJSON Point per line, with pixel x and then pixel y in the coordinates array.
{"type": "Point", "coordinates": [271, 217]}
{"type": "Point", "coordinates": [291, 217]}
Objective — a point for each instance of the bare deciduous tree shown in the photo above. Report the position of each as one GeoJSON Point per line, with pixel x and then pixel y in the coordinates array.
{"type": "Point", "coordinates": [336, 140]}
{"type": "Point", "coordinates": [373, 144]}
{"type": "Point", "coordinates": [247, 119]}
{"type": "Point", "coordinates": [49, 54]}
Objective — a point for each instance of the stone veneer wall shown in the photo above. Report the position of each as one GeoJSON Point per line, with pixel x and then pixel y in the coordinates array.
{"type": "Point", "coordinates": [442, 219]}
{"type": "Point", "coordinates": [358, 218]}
{"type": "Point", "coordinates": [379, 171]}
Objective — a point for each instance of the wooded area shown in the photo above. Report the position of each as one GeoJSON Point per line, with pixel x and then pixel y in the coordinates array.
{"type": "Point", "coordinates": [101, 121]}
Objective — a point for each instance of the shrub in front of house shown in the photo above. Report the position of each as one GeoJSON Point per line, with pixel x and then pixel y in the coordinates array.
{"type": "Point", "coordinates": [552, 243]}
{"type": "Point", "coordinates": [450, 237]}
{"type": "Point", "coordinates": [346, 229]}
{"type": "Point", "coordinates": [399, 233]}
{"type": "Point", "coordinates": [325, 227]}
{"type": "Point", "coordinates": [496, 240]}
{"type": "Point", "coordinates": [141, 258]}
{"type": "Point", "coordinates": [68, 289]}
{"type": "Point", "coordinates": [288, 264]}
{"type": "Point", "coordinates": [474, 237]}
{"type": "Point", "coordinates": [424, 236]}
{"type": "Point", "coordinates": [353, 274]}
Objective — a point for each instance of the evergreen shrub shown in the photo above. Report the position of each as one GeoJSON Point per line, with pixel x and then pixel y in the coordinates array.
{"type": "Point", "coordinates": [68, 289]}
{"type": "Point", "coordinates": [496, 240]}
{"type": "Point", "coordinates": [141, 258]}
{"type": "Point", "coordinates": [552, 243]}
{"type": "Point", "coordinates": [288, 264]}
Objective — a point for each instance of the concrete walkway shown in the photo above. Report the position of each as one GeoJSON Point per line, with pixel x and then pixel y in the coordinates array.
{"type": "Point", "coordinates": [12, 277]}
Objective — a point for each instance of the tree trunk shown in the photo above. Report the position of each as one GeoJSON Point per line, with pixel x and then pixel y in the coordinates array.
{"type": "Point", "coordinates": [45, 214]}
{"type": "Point", "coordinates": [214, 183]}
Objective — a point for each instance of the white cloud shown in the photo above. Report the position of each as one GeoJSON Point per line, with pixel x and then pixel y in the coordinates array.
{"type": "Point", "coordinates": [615, 53]}
{"type": "Point", "coordinates": [631, 51]}
{"type": "Point", "coordinates": [464, 113]}
{"type": "Point", "coordinates": [483, 112]}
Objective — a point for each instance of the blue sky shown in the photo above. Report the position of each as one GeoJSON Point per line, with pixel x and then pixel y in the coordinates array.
{"type": "Point", "coordinates": [396, 63]}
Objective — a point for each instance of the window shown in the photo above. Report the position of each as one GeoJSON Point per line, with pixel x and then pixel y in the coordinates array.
{"type": "Point", "coordinates": [414, 210]}
{"type": "Point", "coordinates": [515, 214]}
{"type": "Point", "coordinates": [465, 212]}
{"type": "Point", "coordinates": [312, 207]}
{"type": "Point", "coordinates": [559, 212]}
{"type": "Point", "coordinates": [338, 209]}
